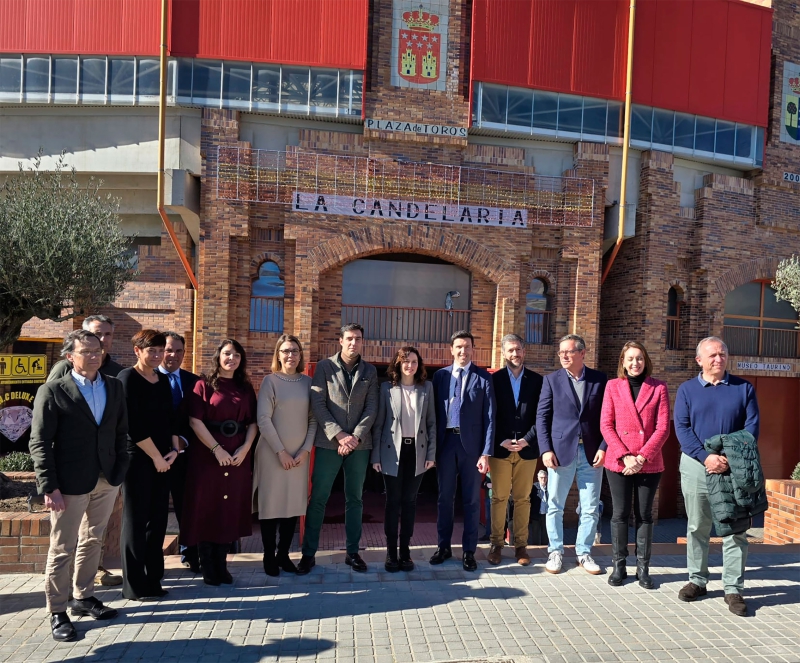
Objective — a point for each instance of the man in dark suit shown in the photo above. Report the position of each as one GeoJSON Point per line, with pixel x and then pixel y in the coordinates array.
{"type": "Point", "coordinates": [464, 440]}
{"type": "Point", "coordinates": [78, 444]}
{"type": "Point", "coordinates": [513, 462]}
{"type": "Point", "coordinates": [182, 384]}
{"type": "Point", "coordinates": [572, 447]}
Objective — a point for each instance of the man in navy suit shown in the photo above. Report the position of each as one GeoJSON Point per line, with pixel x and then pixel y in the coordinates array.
{"type": "Point", "coordinates": [464, 441]}
{"type": "Point", "coordinates": [182, 384]}
{"type": "Point", "coordinates": [571, 446]}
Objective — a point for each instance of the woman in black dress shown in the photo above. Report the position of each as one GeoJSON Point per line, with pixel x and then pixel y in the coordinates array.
{"type": "Point", "coordinates": [152, 444]}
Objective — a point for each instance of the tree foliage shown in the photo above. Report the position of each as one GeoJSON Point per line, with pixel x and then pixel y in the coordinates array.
{"type": "Point", "coordinates": [62, 251]}
{"type": "Point", "coordinates": [787, 281]}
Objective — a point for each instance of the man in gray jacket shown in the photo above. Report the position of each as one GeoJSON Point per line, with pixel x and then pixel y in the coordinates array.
{"type": "Point", "coordinates": [344, 399]}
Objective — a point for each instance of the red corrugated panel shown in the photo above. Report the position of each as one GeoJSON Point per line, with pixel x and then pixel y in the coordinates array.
{"type": "Point", "coordinates": [49, 26]}
{"type": "Point", "coordinates": [141, 27]}
{"type": "Point", "coordinates": [597, 47]}
{"type": "Point", "coordinates": [764, 63]}
{"type": "Point", "coordinates": [12, 25]}
{"type": "Point", "coordinates": [672, 55]}
{"type": "Point", "coordinates": [743, 64]}
{"type": "Point", "coordinates": [344, 33]}
{"type": "Point", "coordinates": [501, 60]}
{"type": "Point", "coordinates": [297, 31]}
{"type": "Point", "coordinates": [552, 26]}
{"type": "Point", "coordinates": [98, 23]}
{"type": "Point", "coordinates": [644, 44]}
{"type": "Point", "coordinates": [709, 49]}
{"type": "Point", "coordinates": [250, 21]}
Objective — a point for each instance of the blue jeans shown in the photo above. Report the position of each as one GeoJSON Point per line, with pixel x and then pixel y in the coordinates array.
{"type": "Point", "coordinates": [590, 481]}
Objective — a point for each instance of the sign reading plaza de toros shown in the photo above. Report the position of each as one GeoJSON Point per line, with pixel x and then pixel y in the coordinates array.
{"type": "Point", "coordinates": [383, 208]}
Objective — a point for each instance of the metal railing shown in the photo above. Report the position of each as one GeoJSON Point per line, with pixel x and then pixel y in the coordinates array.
{"type": "Point", "coordinates": [673, 333]}
{"type": "Point", "coordinates": [266, 314]}
{"type": "Point", "coordinates": [394, 323]}
{"type": "Point", "coordinates": [537, 327]}
{"type": "Point", "coordinates": [762, 341]}
{"type": "Point", "coordinates": [270, 176]}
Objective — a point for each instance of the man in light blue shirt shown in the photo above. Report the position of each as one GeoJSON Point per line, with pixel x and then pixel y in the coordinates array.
{"type": "Point", "coordinates": [93, 392]}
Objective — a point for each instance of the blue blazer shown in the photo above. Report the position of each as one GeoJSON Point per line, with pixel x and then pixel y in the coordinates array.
{"type": "Point", "coordinates": [561, 420]}
{"type": "Point", "coordinates": [477, 410]}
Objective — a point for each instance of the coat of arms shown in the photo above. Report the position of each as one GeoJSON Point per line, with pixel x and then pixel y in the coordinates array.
{"type": "Point", "coordinates": [419, 54]}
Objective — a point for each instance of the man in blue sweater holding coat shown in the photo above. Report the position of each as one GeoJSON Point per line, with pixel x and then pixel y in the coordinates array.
{"type": "Point", "coordinates": [713, 403]}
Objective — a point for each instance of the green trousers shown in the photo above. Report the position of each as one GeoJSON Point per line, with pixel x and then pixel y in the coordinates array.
{"type": "Point", "coordinates": [698, 534]}
{"type": "Point", "coordinates": [326, 466]}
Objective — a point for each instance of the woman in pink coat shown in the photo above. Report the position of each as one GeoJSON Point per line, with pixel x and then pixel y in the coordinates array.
{"type": "Point", "coordinates": [635, 425]}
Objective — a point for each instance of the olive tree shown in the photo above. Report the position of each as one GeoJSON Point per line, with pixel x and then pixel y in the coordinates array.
{"type": "Point", "coordinates": [787, 281]}
{"type": "Point", "coordinates": [61, 248]}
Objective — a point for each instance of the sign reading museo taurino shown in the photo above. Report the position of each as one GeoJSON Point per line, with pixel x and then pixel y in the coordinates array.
{"type": "Point", "coordinates": [383, 208]}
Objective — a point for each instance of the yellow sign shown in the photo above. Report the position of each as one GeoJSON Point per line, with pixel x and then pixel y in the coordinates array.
{"type": "Point", "coordinates": [23, 368]}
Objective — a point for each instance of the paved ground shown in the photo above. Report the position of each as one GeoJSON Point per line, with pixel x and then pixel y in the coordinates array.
{"type": "Point", "coordinates": [506, 613]}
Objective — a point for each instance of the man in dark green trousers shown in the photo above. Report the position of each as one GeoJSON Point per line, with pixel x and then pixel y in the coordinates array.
{"type": "Point", "coordinates": [344, 399]}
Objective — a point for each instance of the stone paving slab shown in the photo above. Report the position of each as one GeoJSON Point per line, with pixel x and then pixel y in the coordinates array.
{"type": "Point", "coordinates": [506, 613]}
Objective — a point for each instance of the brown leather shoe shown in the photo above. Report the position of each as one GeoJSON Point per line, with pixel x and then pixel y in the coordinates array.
{"type": "Point", "coordinates": [521, 554]}
{"type": "Point", "coordinates": [691, 592]}
{"type": "Point", "coordinates": [736, 604]}
{"type": "Point", "coordinates": [495, 555]}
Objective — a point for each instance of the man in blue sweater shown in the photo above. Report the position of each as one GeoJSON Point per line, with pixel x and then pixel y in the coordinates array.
{"type": "Point", "coordinates": [713, 403]}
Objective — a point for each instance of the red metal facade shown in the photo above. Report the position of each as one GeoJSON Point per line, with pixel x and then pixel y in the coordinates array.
{"type": "Point", "coordinates": [709, 57]}
{"type": "Point", "coordinates": [323, 33]}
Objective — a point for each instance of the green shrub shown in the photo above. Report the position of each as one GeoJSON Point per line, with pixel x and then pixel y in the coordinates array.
{"type": "Point", "coordinates": [796, 473]}
{"type": "Point", "coordinates": [16, 461]}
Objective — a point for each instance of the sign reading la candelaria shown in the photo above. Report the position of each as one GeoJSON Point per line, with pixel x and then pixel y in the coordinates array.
{"type": "Point", "coordinates": [383, 208]}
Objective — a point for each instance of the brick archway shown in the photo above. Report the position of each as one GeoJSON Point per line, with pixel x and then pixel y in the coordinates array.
{"type": "Point", "coordinates": [260, 259]}
{"type": "Point", "coordinates": [752, 270]}
{"type": "Point", "coordinates": [451, 246]}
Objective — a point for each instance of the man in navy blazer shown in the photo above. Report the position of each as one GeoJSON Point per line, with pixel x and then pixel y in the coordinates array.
{"type": "Point", "coordinates": [464, 441]}
{"type": "Point", "coordinates": [571, 446]}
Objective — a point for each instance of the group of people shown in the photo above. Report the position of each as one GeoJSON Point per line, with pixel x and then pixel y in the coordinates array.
{"type": "Point", "coordinates": [223, 454]}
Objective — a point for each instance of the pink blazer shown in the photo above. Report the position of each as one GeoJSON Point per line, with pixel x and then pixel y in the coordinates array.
{"type": "Point", "coordinates": [640, 428]}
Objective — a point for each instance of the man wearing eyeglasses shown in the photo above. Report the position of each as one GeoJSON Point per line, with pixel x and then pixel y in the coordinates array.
{"type": "Point", "coordinates": [103, 328]}
{"type": "Point", "coordinates": [78, 443]}
{"type": "Point", "coordinates": [572, 448]}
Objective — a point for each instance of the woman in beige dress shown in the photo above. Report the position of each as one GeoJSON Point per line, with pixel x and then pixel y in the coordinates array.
{"type": "Point", "coordinates": [280, 480]}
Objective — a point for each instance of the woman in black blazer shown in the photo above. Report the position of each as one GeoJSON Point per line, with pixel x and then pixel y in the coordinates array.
{"type": "Point", "coordinates": [403, 448]}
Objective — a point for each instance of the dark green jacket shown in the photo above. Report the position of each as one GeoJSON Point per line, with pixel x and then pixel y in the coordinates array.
{"type": "Point", "coordinates": [738, 494]}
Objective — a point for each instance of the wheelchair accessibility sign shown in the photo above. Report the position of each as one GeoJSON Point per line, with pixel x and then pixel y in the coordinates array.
{"type": "Point", "coordinates": [31, 369]}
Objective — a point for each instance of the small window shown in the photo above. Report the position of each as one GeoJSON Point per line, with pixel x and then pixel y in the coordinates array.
{"type": "Point", "coordinates": [185, 78]}
{"type": "Point", "coordinates": [494, 105]}
{"type": "Point", "coordinates": [37, 75]}
{"type": "Point", "coordinates": [120, 79]}
{"type": "Point", "coordinates": [65, 77]}
{"type": "Point", "coordinates": [206, 82]}
{"type": "Point", "coordinates": [757, 324]}
{"type": "Point", "coordinates": [358, 87]}
{"type": "Point", "coordinates": [236, 84]}
{"type": "Point", "coordinates": [294, 86]}
{"type": "Point", "coordinates": [641, 123]}
{"type": "Point", "coordinates": [324, 88]}
{"type": "Point", "coordinates": [615, 118]}
{"type": "Point", "coordinates": [148, 78]}
{"type": "Point", "coordinates": [594, 116]}
{"type": "Point", "coordinates": [537, 313]}
{"type": "Point", "coordinates": [725, 138]}
{"type": "Point", "coordinates": [10, 75]}
{"type": "Point", "coordinates": [345, 80]}
{"type": "Point", "coordinates": [663, 124]}
{"type": "Point", "coordinates": [744, 141]}
{"type": "Point", "coordinates": [673, 320]}
{"type": "Point", "coordinates": [684, 131]}
{"type": "Point", "coordinates": [704, 135]}
{"type": "Point", "coordinates": [266, 85]}
{"type": "Point", "coordinates": [520, 105]}
{"type": "Point", "coordinates": [545, 110]}
{"type": "Point", "coordinates": [570, 110]}
{"type": "Point", "coordinates": [93, 79]}
{"type": "Point", "coordinates": [266, 300]}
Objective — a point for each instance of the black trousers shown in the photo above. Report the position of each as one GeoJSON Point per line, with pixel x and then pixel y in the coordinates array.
{"type": "Point", "coordinates": [635, 490]}
{"type": "Point", "coordinates": [144, 524]}
{"type": "Point", "coordinates": [401, 500]}
{"type": "Point", "coordinates": [271, 528]}
{"type": "Point", "coordinates": [538, 527]}
{"type": "Point", "coordinates": [177, 487]}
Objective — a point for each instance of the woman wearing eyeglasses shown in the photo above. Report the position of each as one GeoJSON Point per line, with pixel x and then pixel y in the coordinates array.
{"type": "Point", "coordinates": [152, 445]}
{"type": "Point", "coordinates": [222, 415]}
{"type": "Point", "coordinates": [404, 448]}
{"type": "Point", "coordinates": [635, 425]}
{"type": "Point", "coordinates": [288, 427]}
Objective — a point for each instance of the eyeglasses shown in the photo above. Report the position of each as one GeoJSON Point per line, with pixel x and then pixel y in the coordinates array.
{"type": "Point", "coordinates": [290, 352]}
{"type": "Point", "coordinates": [567, 353]}
{"type": "Point", "coordinates": [90, 353]}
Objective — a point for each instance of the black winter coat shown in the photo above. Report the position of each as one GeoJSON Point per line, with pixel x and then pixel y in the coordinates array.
{"type": "Point", "coordinates": [739, 493]}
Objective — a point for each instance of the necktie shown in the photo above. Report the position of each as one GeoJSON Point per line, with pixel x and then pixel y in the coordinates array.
{"type": "Point", "coordinates": [455, 405]}
{"type": "Point", "coordinates": [175, 387]}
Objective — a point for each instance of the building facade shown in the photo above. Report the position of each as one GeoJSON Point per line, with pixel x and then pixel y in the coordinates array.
{"type": "Point", "coordinates": [426, 168]}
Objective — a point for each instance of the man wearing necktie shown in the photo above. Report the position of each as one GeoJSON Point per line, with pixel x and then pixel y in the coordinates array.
{"type": "Point", "coordinates": [464, 440]}
{"type": "Point", "coordinates": [181, 383]}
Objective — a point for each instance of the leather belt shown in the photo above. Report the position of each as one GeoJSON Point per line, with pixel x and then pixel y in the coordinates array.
{"type": "Point", "coordinates": [455, 431]}
{"type": "Point", "coordinates": [408, 440]}
{"type": "Point", "coordinates": [228, 428]}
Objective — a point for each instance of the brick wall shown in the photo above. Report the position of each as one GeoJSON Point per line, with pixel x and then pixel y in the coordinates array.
{"type": "Point", "coordinates": [782, 520]}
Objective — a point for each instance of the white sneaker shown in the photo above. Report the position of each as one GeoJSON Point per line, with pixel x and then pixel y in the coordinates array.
{"type": "Point", "coordinates": [589, 565]}
{"type": "Point", "coordinates": [554, 562]}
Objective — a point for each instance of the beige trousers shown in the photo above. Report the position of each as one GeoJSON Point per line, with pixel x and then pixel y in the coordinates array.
{"type": "Point", "coordinates": [72, 535]}
{"type": "Point", "coordinates": [511, 476]}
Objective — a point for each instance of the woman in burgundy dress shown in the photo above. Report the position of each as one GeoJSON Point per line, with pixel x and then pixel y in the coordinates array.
{"type": "Point", "coordinates": [222, 415]}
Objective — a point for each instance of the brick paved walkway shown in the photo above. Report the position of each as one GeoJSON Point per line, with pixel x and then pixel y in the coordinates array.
{"type": "Point", "coordinates": [441, 613]}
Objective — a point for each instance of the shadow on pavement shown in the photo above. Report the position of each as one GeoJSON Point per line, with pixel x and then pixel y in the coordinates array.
{"type": "Point", "coordinates": [191, 650]}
